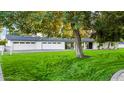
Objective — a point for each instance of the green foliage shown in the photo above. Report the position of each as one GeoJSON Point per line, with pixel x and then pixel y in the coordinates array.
{"type": "Point", "coordinates": [78, 19]}
{"type": "Point", "coordinates": [3, 42]}
{"type": "Point", "coordinates": [108, 26]}
{"type": "Point", "coordinates": [50, 23]}
{"type": "Point", "coordinates": [62, 65]}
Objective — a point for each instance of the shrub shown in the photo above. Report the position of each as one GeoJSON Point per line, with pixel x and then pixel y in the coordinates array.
{"type": "Point", "coordinates": [3, 42]}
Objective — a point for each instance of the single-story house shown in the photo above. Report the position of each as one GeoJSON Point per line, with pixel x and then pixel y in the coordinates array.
{"type": "Point", "coordinates": [40, 43]}
{"type": "Point", "coordinates": [43, 43]}
{"type": "Point", "coordinates": [29, 43]}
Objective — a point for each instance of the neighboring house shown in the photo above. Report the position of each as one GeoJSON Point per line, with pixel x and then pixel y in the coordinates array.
{"type": "Point", "coordinates": [121, 45]}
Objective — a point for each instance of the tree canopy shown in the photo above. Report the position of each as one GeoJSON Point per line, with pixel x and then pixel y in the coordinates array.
{"type": "Point", "coordinates": [104, 26]}
{"type": "Point", "coordinates": [109, 26]}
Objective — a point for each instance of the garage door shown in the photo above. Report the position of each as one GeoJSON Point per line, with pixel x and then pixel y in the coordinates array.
{"type": "Point", "coordinates": [24, 46]}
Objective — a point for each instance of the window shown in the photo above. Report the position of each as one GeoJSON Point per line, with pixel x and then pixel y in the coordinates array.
{"type": "Point", "coordinates": [32, 42]}
{"type": "Point", "coordinates": [16, 42]}
{"type": "Point", "coordinates": [44, 43]}
{"type": "Point", "coordinates": [27, 42]}
{"type": "Point", "coordinates": [54, 42]}
{"type": "Point", "coordinates": [58, 42]}
{"type": "Point", "coordinates": [22, 42]}
{"type": "Point", "coordinates": [49, 42]}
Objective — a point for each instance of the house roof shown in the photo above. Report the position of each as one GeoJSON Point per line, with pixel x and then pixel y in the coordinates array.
{"type": "Point", "coordinates": [31, 38]}
{"type": "Point", "coordinates": [121, 42]}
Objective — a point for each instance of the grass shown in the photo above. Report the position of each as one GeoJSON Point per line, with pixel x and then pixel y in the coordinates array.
{"type": "Point", "coordinates": [62, 65]}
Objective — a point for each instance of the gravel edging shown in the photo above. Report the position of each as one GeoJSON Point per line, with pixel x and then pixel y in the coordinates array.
{"type": "Point", "coordinates": [1, 74]}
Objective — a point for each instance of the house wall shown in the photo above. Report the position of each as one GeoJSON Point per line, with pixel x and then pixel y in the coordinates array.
{"type": "Point", "coordinates": [95, 45]}
{"type": "Point", "coordinates": [60, 45]}
{"type": "Point", "coordinates": [24, 46]}
{"type": "Point", "coordinates": [36, 46]}
{"type": "Point", "coordinates": [1, 48]}
{"type": "Point", "coordinates": [105, 45]}
{"type": "Point", "coordinates": [9, 43]}
{"type": "Point", "coordinates": [84, 44]}
{"type": "Point", "coordinates": [121, 45]}
{"type": "Point", "coordinates": [53, 45]}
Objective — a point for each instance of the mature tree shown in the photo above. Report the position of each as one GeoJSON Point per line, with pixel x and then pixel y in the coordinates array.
{"type": "Point", "coordinates": [51, 24]}
{"type": "Point", "coordinates": [24, 22]}
{"type": "Point", "coordinates": [78, 20]}
{"type": "Point", "coordinates": [108, 26]}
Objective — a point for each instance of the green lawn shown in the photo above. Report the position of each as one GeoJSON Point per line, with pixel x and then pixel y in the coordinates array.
{"type": "Point", "coordinates": [62, 65]}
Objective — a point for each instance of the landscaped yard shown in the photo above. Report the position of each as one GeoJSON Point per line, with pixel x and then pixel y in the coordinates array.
{"type": "Point", "coordinates": [62, 65]}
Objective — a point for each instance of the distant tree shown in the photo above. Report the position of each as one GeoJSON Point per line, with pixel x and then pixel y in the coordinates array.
{"type": "Point", "coordinates": [108, 26]}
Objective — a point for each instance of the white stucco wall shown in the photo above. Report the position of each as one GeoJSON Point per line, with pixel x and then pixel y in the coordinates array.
{"type": "Point", "coordinates": [1, 48]}
{"type": "Point", "coordinates": [84, 44]}
{"type": "Point", "coordinates": [36, 46]}
{"type": "Point", "coordinates": [105, 45]}
{"type": "Point", "coordinates": [9, 43]}
{"type": "Point", "coordinates": [58, 45]}
{"type": "Point", "coordinates": [54, 46]}
{"type": "Point", "coordinates": [20, 46]}
{"type": "Point", "coordinates": [24, 46]}
{"type": "Point", "coordinates": [95, 45]}
{"type": "Point", "coordinates": [120, 45]}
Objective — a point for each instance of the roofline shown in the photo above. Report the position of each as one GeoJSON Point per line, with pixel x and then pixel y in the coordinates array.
{"type": "Point", "coordinates": [39, 39]}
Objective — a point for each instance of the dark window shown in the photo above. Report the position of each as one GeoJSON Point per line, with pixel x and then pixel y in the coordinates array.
{"type": "Point", "coordinates": [58, 42]}
{"type": "Point", "coordinates": [16, 42]}
{"type": "Point", "coordinates": [44, 43]}
{"type": "Point", "coordinates": [54, 42]}
{"type": "Point", "coordinates": [49, 42]}
{"type": "Point", "coordinates": [27, 42]}
{"type": "Point", "coordinates": [22, 42]}
{"type": "Point", "coordinates": [32, 42]}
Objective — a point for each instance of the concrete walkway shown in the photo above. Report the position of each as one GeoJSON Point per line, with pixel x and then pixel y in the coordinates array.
{"type": "Point", "coordinates": [118, 76]}
{"type": "Point", "coordinates": [1, 75]}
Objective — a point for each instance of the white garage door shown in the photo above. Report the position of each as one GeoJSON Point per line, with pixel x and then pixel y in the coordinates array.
{"type": "Point", "coordinates": [24, 46]}
{"type": "Point", "coordinates": [53, 45]}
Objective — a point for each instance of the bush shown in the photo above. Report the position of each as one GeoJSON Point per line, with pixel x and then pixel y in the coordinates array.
{"type": "Point", "coordinates": [3, 42]}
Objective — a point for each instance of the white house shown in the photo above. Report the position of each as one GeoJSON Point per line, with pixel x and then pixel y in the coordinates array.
{"type": "Point", "coordinates": [18, 43]}
{"type": "Point", "coordinates": [34, 43]}
{"type": "Point", "coordinates": [43, 43]}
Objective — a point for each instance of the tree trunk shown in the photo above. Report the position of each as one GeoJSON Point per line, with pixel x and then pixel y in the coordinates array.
{"type": "Point", "coordinates": [78, 47]}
